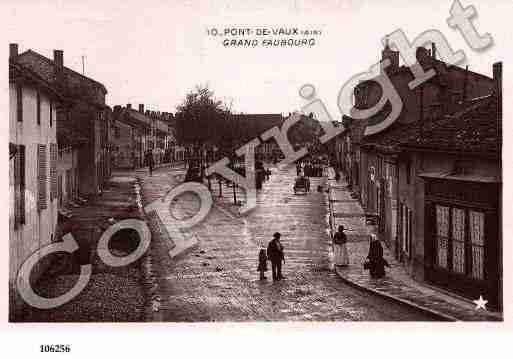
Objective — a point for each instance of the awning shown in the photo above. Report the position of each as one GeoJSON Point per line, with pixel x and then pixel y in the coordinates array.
{"type": "Point", "coordinates": [460, 177]}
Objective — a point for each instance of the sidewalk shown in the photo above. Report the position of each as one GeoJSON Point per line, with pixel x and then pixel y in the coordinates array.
{"type": "Point", "coordinates": [397, 284]}
{"type": "Point", "coordinates": [113, 294]}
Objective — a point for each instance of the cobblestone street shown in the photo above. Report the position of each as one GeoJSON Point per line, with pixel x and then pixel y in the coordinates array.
{"type": "Point", "coordinates": [216, 280]}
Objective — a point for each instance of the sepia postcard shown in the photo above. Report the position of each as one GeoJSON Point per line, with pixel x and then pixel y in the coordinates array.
{"type": "Point", "coordinates": [299, 161]}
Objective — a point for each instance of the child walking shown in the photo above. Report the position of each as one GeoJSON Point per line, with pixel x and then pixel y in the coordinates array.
{"type": "Point", "coordinates": [262, 263]}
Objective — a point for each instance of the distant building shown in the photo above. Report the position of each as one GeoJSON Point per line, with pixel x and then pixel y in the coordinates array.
{"type": "Point", "coordinates": [136, 131]}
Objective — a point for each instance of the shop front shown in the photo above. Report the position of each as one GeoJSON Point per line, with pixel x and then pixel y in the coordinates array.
{"type": "Point", "coordinates": [462, 235]}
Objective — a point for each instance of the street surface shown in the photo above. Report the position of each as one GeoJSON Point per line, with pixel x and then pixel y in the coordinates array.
{"type": "Point", "coordinates": [217, 280]}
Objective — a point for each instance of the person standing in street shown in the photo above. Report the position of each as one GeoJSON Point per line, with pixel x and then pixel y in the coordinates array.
{"type": "Point", "coordinates": [276, 256]}
{"type": "Point", "coordinates": [149, 161]}
{"type": "Point", "coordinates": [262, 263]}
{"type": "Point", "coordinates": [341, 258]}
{"type": "Point", "coordinates": [375, 262]}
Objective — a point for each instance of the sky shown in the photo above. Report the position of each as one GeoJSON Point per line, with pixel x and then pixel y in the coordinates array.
{"type": "Point", "coordinates": [154, 52]}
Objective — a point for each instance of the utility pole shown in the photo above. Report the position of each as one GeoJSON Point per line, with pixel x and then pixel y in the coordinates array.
{"type": "Point", "coordinates": [83, 65]}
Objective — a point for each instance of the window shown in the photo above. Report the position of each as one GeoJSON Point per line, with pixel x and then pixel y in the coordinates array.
{"type": "Point", "coordinates": [117, 131]}
{"type": "Point", "coordinates": [19, 103]}
{"type": "Point", "coordinates": [459, 242]}
{"type": "Point", "coordinates": [19, 186]}
{"type": "Point", "coordinates": [51, 113]}
{"type": "Point", "coordinates": [38, 113]}
{"type": "Point", "coordinates": [442, 235]}
{"type": "Point", "coordinates": [476, 229]}
{"type": "Point", "coordinates": [41, 177]}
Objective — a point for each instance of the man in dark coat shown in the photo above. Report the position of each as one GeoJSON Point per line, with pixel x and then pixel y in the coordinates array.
{"type": "Point", "coordinates": [276, 256]}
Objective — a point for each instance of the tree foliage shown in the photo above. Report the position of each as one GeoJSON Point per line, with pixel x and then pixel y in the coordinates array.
{"type": "Point", "coordinates": [201, 118]}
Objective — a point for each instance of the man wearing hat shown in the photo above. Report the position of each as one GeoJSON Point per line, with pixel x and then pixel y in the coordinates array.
{"type": "Point", "coordinates": [275, 255]}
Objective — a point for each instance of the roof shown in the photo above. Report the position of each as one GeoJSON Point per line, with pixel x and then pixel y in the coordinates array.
{"type": "Point", "coordinates": [77, 84]}
{"type": "Point", "coordinates": [136, 118]}
{"type": "Point", "coordinates": [473, 130]}
{"type": "Point", "coordinates": [17, 71]}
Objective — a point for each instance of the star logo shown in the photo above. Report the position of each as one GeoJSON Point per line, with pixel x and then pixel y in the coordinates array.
{"type": "Point", "coordinates": [480, 303]}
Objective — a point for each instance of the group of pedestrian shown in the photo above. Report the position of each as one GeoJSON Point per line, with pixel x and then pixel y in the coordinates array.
{"type": "Point", "coordinates": [313, 169]}
{"type": "Point", "coordinates": [275, 255]}
{"type": "Point", "coordinates": [374, 262]}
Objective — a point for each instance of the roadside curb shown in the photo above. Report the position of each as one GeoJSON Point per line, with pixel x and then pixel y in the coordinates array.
{"type": "Point", "coordinates": [150, 283]}
{"type": "Point", "coordinates": [439, 315]}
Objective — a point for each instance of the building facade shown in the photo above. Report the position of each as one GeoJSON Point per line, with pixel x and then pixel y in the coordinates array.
{"type": "Point", "coordinates": [33, 158]}
{"type": "Point", "coordinates": [394, 179]}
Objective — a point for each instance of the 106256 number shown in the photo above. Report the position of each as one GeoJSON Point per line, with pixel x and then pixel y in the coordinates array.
{"type": "Point", "coordinates": [58, 348]}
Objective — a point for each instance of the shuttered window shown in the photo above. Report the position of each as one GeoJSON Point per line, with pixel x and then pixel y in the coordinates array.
{"type": "Point", "coordinates": [19, 186]}
{"type": "Point", "coordinates": [69, 185]}
{"type": "Point", "coordinates": [19, 103]}
{"type": "Point", "coordinates": [38, 109]}
{"type": "Point", "coordinates": [59, 191]}
{"type": "Point", "coordinates": [42, 178]}
{"type": "Point", "coordinates": [54, 185]}
{"type": "Point", "coordinates": [51, 114]}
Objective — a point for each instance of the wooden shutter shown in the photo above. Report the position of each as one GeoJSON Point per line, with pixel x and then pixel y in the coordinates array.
{"type": "Point", "coordinates": [53, 172]}
{"type": "Point", "coordinates": [410, 231]}
{"type": "Point", "coordinates": [51, 113]}
{"type": "Point", "coordinates": [41, 176]}
{"type": "Point", "coordinates": [16, 189]}
{"type": "Point", "coordinates": [59, 189]}
{"type": "Point", "coordinates": [21, 153]}
{"type": "Point", "coordinates": [19, 187]}
{"type": "Point", "coordinates": [19, 103]}
{"type": "Point", "coordinates": [38, 109]}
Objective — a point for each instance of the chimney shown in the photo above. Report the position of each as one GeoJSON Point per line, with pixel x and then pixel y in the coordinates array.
{"type": "Point", "coordinates": [129, 106]}
{"type": "Point", "coordinates": [58, 59]}
{"type": "Point", "coordinates": [422, 55]}
{"type": "Point", "coordinates": [13, 50]}
{"type": "Point", "coordinates": [497, 78]}
{"type": "Point", "coordinates": [392, 56]}
{"type": "Point", "coordinates": [465, 85]}
{"type": "Point", "coordinates": [433, 50]}
{"type": "Point", "coordinates": [141, 108]}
